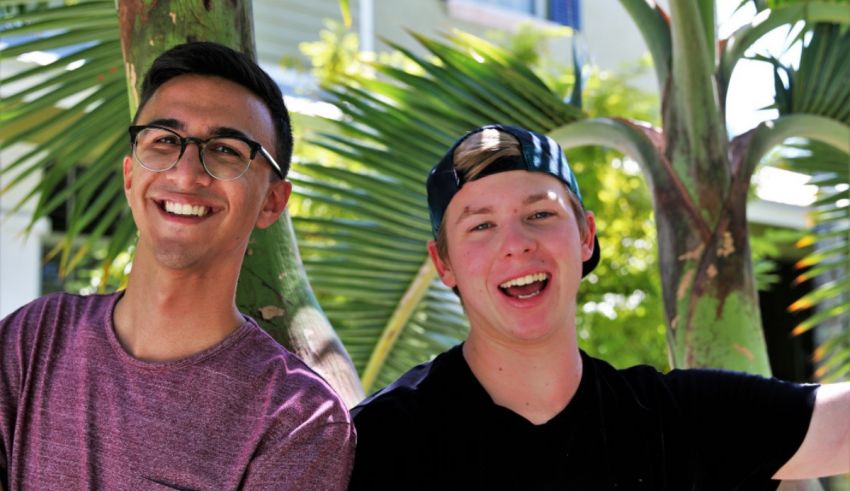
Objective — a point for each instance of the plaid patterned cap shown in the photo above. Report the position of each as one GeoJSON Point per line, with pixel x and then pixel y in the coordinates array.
{"type": "Point", "coordinates": [539, 154]}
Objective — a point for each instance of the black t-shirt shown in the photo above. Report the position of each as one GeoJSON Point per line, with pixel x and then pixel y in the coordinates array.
{"type": "Point", "coordinates": [437, 428]}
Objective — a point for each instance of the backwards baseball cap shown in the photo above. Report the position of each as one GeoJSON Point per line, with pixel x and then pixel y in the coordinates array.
{"type": "Point", "coordinates": [538, 153]}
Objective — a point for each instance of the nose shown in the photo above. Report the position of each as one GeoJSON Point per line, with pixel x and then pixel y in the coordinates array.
{"type": "Point", "coordinates": [517, 240]}
{"type": "Point", "coordinates": [189, 171]}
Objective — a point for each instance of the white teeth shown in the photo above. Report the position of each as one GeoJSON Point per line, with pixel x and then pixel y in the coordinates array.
{"type": "Point", "coordinates": [185, 209]}
{"type": "Point", "coordinates": [525, 297]}
{"type": "Point", "coordinates": [525, 280]}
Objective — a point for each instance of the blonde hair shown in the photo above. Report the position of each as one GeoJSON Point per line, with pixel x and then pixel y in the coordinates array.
{"type": "Point", "coordinates": [478, 152]}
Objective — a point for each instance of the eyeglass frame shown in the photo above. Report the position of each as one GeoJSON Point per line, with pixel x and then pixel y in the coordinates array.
{"type": "Point", "coordinates": [255, 147]}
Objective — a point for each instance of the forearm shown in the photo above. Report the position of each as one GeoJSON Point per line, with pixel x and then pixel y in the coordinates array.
{"type": "Point", "coordinates": [826, 449]}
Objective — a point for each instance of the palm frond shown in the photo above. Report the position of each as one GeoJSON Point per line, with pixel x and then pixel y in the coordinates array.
{"type": "Point", "coordinates": [70, 117]}
{"type": "Point", "coordinates": [821, 85]}
{"type": "Point", "coordinates": [827, 264]}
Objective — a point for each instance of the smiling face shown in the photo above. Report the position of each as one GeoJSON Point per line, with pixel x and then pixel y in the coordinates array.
{"type": "Point", "coordinates": [186, 218]}
{"type": "Point", "coordinates": [515, 253]}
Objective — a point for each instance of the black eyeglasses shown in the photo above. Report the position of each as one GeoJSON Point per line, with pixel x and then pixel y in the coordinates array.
{"type": "Point", "coordinates": [225, 158]}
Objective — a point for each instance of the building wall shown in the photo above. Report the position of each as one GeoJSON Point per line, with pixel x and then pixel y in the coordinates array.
{"type": "Point", "coordinates": [20, 254]}
{"type": "Point", "coordinates": [281, 25]}
{"type": "Point", "coordinates": [608, 34]}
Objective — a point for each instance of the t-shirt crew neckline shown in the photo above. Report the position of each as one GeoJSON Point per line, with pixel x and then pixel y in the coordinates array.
{"type": "Point", "coordinates": [198, 357]}
{"type": "Point", "coordinates": [571, 411]}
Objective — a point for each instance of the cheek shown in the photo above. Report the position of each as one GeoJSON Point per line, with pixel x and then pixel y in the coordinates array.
{"type": "Point", "coordinates": [471, 265]}
{"type": "Point", "coordinates": [139, 182]}
{"type": "Point", "coordinates": [247, 201]}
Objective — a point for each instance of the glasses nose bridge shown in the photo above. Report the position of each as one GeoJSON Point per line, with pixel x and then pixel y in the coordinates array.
{"type": "Point", "coordinates": [185, 141]}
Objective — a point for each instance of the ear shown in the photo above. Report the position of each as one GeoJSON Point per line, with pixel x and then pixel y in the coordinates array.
{"type": "Point", "coordinates": [277, 197]}
{"type": "Point", "coordinates": [128, 176]}
{"type": "Point", "coordinates": [444, 268]}
{"type": "Point", "coordinates": [588, 242]}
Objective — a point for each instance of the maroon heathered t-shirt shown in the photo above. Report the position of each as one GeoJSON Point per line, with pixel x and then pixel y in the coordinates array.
{"type": "Point", "coordinates": [78, 412]}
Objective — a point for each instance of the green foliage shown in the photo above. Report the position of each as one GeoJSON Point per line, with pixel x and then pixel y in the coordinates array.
{"type": "Point", "coordinates": [90, 276]}
{"type": "Point", "coordinates": [827, 252]}
{"type": "Point", "coordinates": [821, 85]}
{"type": "Point", "coordinates": [335, 54]}
{"type": "Point", "coordinates": [78, 149]}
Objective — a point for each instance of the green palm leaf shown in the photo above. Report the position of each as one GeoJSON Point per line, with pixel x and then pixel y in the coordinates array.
{"type": "Point", "coordinates": [76, 150]}
{"type": "Point", "coordinates": [821, 85]}
{"type": "Point", "coordinates": [827, 264]}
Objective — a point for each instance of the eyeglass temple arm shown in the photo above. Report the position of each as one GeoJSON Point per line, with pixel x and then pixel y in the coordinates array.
{"type": "Point", "coordinates": [272, 161]}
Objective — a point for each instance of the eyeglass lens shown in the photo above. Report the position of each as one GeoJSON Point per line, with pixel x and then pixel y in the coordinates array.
{"type": "Point", "coordinates": [159, 149]}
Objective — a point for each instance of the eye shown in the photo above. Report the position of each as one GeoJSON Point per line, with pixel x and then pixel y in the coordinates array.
{"type": "Point", "coordinates": [157, 136]}
{"type": "Point", "coordinates": [540, 215]}
{"type": "Point", "coordinates": [481, 226]}
{"type": "Point", "coordinates": [224, 149]}
{"type": "Point", "coordinates": [167, 139]}
{"type": "Point", "coordinates": [228, 148]}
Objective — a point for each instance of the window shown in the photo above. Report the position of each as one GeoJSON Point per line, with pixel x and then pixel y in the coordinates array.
{"type": "Point", "coordinates": [564, 12]}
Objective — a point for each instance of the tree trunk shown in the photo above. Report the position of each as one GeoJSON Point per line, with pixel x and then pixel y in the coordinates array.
{"type": "Point", "coordinates": [273, 286]}
{"type": "Point", "coordinates": [710, 299]}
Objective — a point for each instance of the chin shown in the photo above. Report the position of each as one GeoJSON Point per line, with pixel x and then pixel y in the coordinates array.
{"type": "Point", "coordinates": [177, 259]}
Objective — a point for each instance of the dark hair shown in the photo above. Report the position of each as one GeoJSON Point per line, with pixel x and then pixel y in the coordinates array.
{"type": "Point", "coordinates": [213, 59]}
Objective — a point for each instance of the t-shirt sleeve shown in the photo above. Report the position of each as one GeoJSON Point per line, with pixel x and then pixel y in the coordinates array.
{"type": "Point", "coordinates": [742, 428]}
{"type": "Point", "coordinates": [316, 455]}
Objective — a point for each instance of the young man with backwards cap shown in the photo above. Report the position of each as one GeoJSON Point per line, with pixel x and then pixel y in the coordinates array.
{"type": "Point", "coordinates": [166, 385]}
{"type": "Point", "coordinates": [519, 406]}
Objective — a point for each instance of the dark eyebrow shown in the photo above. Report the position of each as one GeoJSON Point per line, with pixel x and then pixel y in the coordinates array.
{"type": "Point", "coordinates": [218, 131]}
{"type": "Point", "coordinates": [534, 198]}
{"type": "Point", "coordinates": [168, 123]}
{"type": "Point", "coordinates": [473, 211]}
{"type": "Point", "coordinates": [226, 132]}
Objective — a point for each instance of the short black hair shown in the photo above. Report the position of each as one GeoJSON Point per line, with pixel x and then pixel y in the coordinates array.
{"type": "Point", "coordinates": [213, 59]}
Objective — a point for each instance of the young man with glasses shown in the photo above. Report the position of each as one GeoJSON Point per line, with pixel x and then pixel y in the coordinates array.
{"type": "Point", "coordinates": [167, 384]}
{"type": "Point", "coordinates": [519, 406]}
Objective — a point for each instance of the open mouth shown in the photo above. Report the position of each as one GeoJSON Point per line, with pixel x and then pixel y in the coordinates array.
{"type": "Point", "coordinates": [183, 209]}
{"type": "Point", "coordinates": [525, 287]}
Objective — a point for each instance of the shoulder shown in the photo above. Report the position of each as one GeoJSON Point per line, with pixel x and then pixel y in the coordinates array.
{"type": "Point", "coordinates": [62, 303]}
{"type": "Point", "coordinates": [643, 383]}
{"type": "Point", "coordinates": [420, 387]}
{"type": "Point", "coordinates": [732, 386]}
{"type": "Point", "coordinates": [400, 427]}
{"type": "Point", "coordinates": [285, 381]}
{"type": "Point", "coordinates": [685, 385]}
{"type": "Point", "coordinates": [56, 314]}
{"type": "Point", "coordinates": [39, 334]}
{"type": "Point", "coordinates": [408, 412]}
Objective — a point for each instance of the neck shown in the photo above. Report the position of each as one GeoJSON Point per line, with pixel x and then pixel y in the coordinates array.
{"type": "Point", "coordinates": [167, 315]}
{"type": "Point", "coordinates": [535, 380]}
